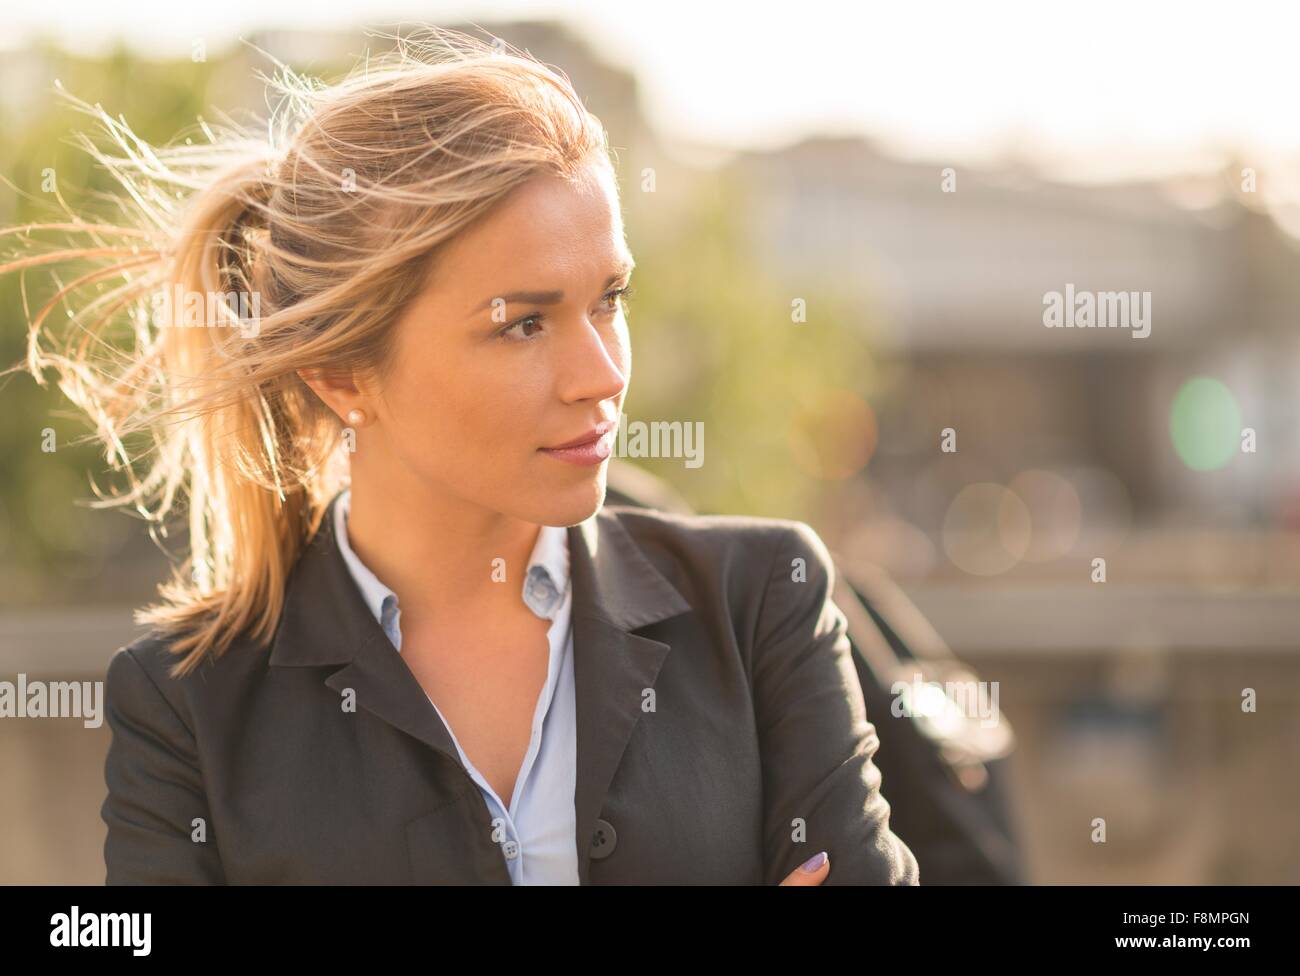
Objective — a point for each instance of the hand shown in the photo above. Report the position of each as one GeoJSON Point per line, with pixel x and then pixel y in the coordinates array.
{"type": "Point", "coordinates": [810, 879]}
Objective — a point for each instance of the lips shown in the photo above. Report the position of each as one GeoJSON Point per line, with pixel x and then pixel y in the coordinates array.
{"type": "Point", "coordinates": [589, 437]}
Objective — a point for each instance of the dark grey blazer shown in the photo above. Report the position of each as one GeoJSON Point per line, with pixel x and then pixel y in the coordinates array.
{"type": "Point", "coordinates": [752, 754]}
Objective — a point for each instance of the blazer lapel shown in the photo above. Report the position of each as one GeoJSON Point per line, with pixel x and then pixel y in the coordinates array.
{"type": "Point", "coordinates": [616, 590]}
{"type": "Point", "coordinates": [326, 622]}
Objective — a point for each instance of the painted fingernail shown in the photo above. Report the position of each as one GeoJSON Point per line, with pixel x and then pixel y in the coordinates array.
{"type": "Point", "coordinates": [814, 863]}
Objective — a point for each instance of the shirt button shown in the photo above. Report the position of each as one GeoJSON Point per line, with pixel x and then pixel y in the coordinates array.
{"type": "Point", "coordinates": [511, 849]}
{"type": "Point", "coordinates": [603, 840]}
{"type": "Point", "coordinates": [540, 591]}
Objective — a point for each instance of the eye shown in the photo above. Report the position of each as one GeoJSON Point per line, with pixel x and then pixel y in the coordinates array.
{"type": "Point", "coordinates": [616, 296]}
{"type": "Point", "coordinates": [619, 295]}
{"type": "Point", "coordinates": [530, 320]}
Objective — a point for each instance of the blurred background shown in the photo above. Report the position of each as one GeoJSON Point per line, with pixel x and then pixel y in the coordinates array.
{"type": "Point", "coordinates": [845, 229]}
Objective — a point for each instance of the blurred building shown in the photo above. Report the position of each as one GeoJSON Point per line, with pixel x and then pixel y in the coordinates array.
{"type": "Point", "coordinates": [950, 267]}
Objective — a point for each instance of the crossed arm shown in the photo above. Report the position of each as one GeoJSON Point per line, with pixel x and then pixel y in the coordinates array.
{"type": "Point", "coordinates": [821, 789]}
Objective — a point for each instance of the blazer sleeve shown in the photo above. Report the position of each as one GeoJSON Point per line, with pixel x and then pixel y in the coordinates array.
{"type": "Point", "coordinates": [155, 790]}
{"type": "Point", "coordinates": [821, 791]}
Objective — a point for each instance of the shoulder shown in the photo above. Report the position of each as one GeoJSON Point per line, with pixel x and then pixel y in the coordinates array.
{"type": "Point", "coordinates": [142, 677]}
{"type": "Point", "coordinates": [141, 667]}
{"type": "Point", "coordinates": [141, 702]}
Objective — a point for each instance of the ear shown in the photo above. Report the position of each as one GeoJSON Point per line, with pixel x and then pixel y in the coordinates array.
{"type": "Point", "coordinates": [337, 388]}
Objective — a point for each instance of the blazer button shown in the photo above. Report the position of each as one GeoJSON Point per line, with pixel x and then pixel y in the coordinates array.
{"type": "Point", "coordinates": [603, 841]}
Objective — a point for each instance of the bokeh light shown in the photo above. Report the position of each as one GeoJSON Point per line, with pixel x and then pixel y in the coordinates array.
{"type": "Point", "coordinates": [1205, 423]}
{"type": "Point", "coordinates": [835, 436]}
{"type": "Point", "coordinates": [1055, 513]}
{"type": "Point", "coordinates": [986, 530]}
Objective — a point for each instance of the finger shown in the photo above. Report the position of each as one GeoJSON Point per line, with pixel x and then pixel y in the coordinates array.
{"type": "Point", "coordinates": [810, 874]}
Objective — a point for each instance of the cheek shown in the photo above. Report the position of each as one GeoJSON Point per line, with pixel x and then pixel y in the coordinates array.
{"type": "Point", "coordinates": [471, 418]}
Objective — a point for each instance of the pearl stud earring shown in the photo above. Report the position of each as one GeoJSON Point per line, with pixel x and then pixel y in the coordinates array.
{"type": "Point", "coordinates": [356, 417]}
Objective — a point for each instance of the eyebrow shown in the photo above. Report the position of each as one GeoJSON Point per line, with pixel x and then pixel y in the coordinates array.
{"type": "Point", "coordinates": [547, 297]}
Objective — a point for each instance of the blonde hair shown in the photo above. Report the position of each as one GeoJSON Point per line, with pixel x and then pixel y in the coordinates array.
{"type": "Point", "coordinates": [327, 226]}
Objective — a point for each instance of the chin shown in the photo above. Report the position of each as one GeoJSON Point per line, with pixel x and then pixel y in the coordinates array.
{"type": "Point", "coordinates": [576, 503]}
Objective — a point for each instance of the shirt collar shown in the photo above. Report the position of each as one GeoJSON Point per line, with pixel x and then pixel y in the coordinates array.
{"type": "Point", "coordinates": [374, 591]}
{"type": "Point", "coordinates": [546, 579]}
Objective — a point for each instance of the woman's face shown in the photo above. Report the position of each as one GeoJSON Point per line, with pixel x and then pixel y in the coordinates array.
{"type": "Point", "coordinates": [518, 344]}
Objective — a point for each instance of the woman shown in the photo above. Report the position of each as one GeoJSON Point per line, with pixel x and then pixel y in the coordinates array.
{"type": "Point", "coordinates": [409, 644]}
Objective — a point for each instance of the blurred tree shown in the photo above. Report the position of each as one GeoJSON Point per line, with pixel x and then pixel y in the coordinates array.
{"type": "Point", "coordinates": [715, 340]}
{"type": "Point", "coordinates": [54, 547]}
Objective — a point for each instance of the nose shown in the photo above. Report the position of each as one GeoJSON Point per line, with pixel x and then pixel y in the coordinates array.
{"type": "Point", "coordinates": [599, 363]}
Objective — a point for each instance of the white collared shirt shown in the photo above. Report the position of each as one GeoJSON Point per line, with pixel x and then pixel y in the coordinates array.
{"type": "Point", "coordinates": [537, 829]}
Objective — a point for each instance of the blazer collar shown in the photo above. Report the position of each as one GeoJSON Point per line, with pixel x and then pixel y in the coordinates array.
{"type": "Point", "coordinates": [321, 623]}
{"type": "Point", "coordinates": [616, 590]}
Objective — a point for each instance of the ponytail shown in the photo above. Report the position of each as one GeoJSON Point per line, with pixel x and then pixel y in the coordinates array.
{"type": "Point", "coordinates": [229, 449]}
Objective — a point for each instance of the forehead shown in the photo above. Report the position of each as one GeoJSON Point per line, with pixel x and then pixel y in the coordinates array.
{"type": "Point", "coordinates": [546, 226]}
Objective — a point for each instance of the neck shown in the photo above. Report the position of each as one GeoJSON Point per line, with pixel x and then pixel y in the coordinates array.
{"type": "Point", "coordinates": [440, 554]}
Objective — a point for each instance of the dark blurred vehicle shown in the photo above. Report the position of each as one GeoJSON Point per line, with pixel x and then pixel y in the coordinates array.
{"type": "Point", "coordinates": [944, 772]}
